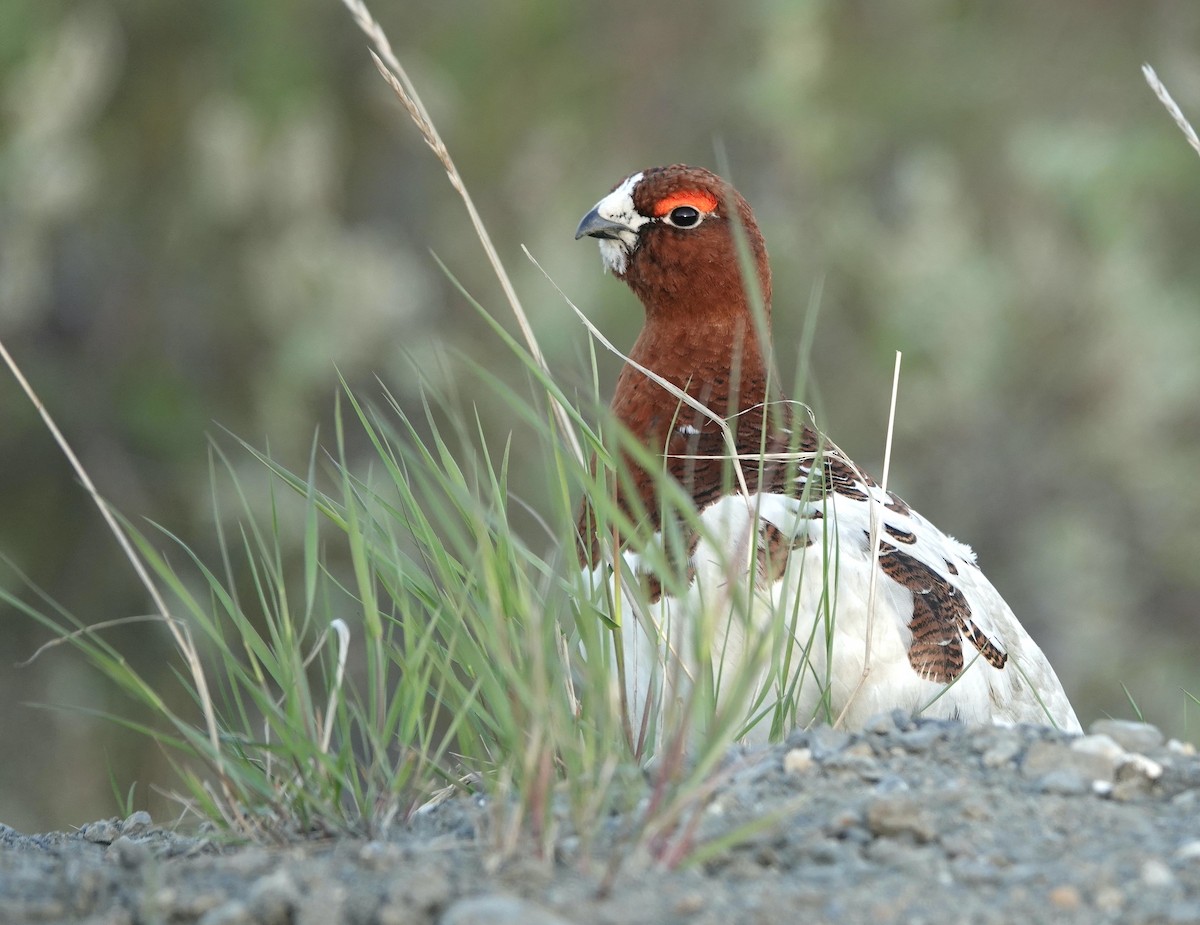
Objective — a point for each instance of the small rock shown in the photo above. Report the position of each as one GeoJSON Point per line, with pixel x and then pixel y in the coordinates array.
{"type": "Point", "coordinates": [1130, 790]}
{"type": "Point", "coordinates": [273, 898]}
{"type": "Point", "coordinates": [922, 738]}
{"type": "Point", "coordinates": [379, 855]}
{"type": "Point", "coordinates": [1066, 782]}
{"type": "Point", "coordinates": [825, 742]}
{"type": "Point", "coordinates": [893, 815]}
{"type": "Point", "coordinates": [1065, 897]}
{"type": "Point", "coordinates": [1109, 899]}
{"type": "Point", "coordinates": [1002, 752]}
{"type": "Point", "coordinates": [843, 821]}
{"type": "Point", "coordinates": [433, 890]}
{"type": "Point", "coordinates": [798, 761]}
{"type": "Point", "coordinates": [103, 832]}
{"type": "Point", "coordinates": [1156, 873]}
{"type": "Point", "coordinates": [1131, 736]}
{"type": "Point", "coordinates": [1136, 777]}
{"type": "Point", "coordinates": [1044, 757]}
{"type": "Point", "coordinates": [1187, 749]}
{"type": "Point", "coordinates": [1184, 913]}
{"type": "Point", "coordinates": [499, 910]}
{"type": "Point", "coordinates": [234, 912]}
{"type": "Point", "coordinates": [323, 905]}
{"type": "Point", "coordinates": [1101, 746]}
{"type": "Point", "coordinates": [129, 853]}
{"type": "Point", "coordinates": [136, 823]}
{"type": "Point", "coordinates": [1141, 766]}
{"type": "Point", "coordinates": [1187, 800]}
{"type": "Point", "coordinates": [1188, 851]}
{"type": "Point", "coordinates": [891, 783]}
{"type": "Point", "coordinates": [881, 724]}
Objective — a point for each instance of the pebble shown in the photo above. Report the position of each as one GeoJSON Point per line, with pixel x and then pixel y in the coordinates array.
{"type": "Point", "coordinates": [922, 738]}
{"type": "Point", "coordinates": [1101, 746]}
{"type": "Point", "coordinates": [1048, 757]}
{"type": "Point", "coordinates": [234, 912]}
{"type": "Point", "coordinates": [273, 898]}
{"type": "Point", "coordinates": [1156, 873]}
{"type": "Point", "coordinates": [1002, 752]}
{"type": "Point", "coordinates": [896, 815]}
{"type": "Point", "coordinates": [136, 823]}
{"type": "Point", "coordinates": [130, 854]}
{"type": "Point", "coordinates": [885, 723]}
{"type": "Point", "coordinates": [824, 742]}
{"type": "Point", "coordinates": [891, 783]}
{"type": "Point", "coordinates": [1186, 800]}
{"type": "Point", "coordinates": [1109, 899]}
{"type": "Point", "coordinates": [103, 832]}
{"type": "Point", "coordinates": [323, 906]}
{"type": "Point", "coordinates": [496, 909]}
{"type": "Point", "coordinates": [1066, 898]}
{"type": "Point", "coordinates": [1131, 736]}
{"type": "Point", "coordinates": [1141, 766]}
{"type": "Point", "coordinates": [1136, 777]}
{"type": "Point", "coordinates": [798, 761]}
{"type": "Point", "coordinates": [1067, 782]}
{"type": "Point", "coordinates": [858, 758]}
{"type": "Point", "coordinates": [379, 855]}
{"type": "Point", "coordinates": [1188, 851]}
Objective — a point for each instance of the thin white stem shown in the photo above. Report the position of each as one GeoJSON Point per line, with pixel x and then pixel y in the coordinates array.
{"type": "Point", "coordinates": [876, 505]}
{"type": "Point", "coordinates": [1168, 101]}
{"type": "Point", "coordinates": [179, 630]}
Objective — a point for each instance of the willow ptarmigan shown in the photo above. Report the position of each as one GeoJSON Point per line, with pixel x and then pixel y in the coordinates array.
{"type": "Point", "coordinates": [773, 567]}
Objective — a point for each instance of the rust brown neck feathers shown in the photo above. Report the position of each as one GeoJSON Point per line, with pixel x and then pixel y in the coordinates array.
{"type": "Point", "coordinates": [672, 235]}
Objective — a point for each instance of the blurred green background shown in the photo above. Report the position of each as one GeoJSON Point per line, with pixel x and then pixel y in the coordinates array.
{"type": "Point", "coordinates": [209, 209]}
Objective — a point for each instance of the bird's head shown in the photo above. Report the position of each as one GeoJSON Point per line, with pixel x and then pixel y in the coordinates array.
{"type": "Point", "coordinates": [671, 234]}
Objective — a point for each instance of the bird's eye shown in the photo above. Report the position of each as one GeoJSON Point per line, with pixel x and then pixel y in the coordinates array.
{"type": "Point", "coordinates": [684, 216]}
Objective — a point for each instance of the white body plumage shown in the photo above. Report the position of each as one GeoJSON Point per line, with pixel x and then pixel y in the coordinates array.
{"type": "Point", "coordinates": [798, 644]}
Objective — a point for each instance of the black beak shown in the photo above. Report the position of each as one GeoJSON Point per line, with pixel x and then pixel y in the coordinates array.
{"type": "Point", "coordinates": [595, 225]}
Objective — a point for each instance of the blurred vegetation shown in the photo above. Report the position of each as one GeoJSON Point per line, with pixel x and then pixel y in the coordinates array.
{"type": "Point", "coordinates": [209, 210]}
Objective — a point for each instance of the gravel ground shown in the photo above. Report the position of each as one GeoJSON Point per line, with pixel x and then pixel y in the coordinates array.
{"type": "Point", "coordinates": [909, 821]}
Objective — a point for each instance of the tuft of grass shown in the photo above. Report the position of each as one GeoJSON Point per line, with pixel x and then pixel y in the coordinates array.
{"type": "Point", "coordinates": [420, 645]}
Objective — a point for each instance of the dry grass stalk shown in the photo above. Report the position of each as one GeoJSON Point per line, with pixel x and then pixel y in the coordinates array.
{"type": "Point", "coordinates": [393, 72]}
{"type": "Point", "coordinates": [179, 630]}
{"type": "Point", "coordinates": [1172, 107]}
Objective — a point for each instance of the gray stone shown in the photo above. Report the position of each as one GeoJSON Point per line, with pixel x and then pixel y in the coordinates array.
{"type": "Point", "coordinates": [273, 898]}
{"type": "Point", "coordinates": [129, 853]}
{"type": "Point", "coordinates": [1064, 782]}
{"type": "Point", "coordinates": [1131, 736]}
{"type": "Point", "coordinates": [324, 905]}
{"type": "Point", "coordinates": [891, 783]}
{"type": "Point", "coordinates": [895, 815]}
{"type": "Point", "coordinates": [1043, 757]}
{"type": "Point", "coordinates": [798, 761]}
{"type": "Point", "coordinates": [103, 832]}
{"type": "Point", "coordinates": [1156, 874]}
{"type": "Point", "coordinates": [1001, 752]}
{"type": "Point", "coordinates": [136, 823]}
{"type": "Point", "coordinates": [824, 742]}
{"type": "Point", "coordinates": [234, 912]}
{"type": "Point", "coordinates": [923, 738]}
{"type": "Point", "coordinates": [497, 909]}
{"type": "Point", "coordinates": [881, 723]}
